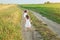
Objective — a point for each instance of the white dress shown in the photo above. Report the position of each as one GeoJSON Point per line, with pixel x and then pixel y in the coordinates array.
{"type": "Point", "coordinates": [25, 15]}
{"type": "Point", "coordinates": [28, 23]}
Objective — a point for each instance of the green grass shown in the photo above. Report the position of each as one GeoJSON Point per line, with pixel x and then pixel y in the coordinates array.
{"type": "Point", "coordinates": [10, 19]}
{"type": "Point", "coordinates": [51, 11]}
{"type": "Point", "coordinates": [41, 5]}
{"type": "Point", "coordinates": [43, 29]}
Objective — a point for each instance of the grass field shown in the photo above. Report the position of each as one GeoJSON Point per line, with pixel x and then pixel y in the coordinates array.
{"type": "Point", "coordinates": [48, 10]}
{"type": "Point", "coordinates": [43, 29]}
{"type": "Point", "coordinates": [10, 19]}
{"type": "Point", "coordinates": [51, 11]}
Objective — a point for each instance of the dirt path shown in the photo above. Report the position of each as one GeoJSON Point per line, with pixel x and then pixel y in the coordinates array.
{"type": "Point", "coordinates": [28, 35]}
{"type": "Point", "coordinates": [55, 27]}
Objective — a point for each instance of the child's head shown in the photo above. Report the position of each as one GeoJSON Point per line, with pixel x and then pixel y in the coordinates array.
{"type": "Point", "coordinates": [27, 16]}
{"type": "Point", "coordinates": [25, 11]}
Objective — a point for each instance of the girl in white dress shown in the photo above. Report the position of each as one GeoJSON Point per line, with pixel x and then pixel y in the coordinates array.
{"type": "Point", "coordinates": [27, 23]}
{"type": "Point", "coordinates": [25, 13]}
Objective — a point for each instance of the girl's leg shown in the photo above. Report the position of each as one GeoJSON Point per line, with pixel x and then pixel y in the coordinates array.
{"type": "Point", "coordinates": [25, 28]}
{"type": "Point", "coordinates": [29, 28]}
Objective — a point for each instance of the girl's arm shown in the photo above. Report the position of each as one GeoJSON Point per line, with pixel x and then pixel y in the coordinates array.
{"type": "Point", "coordinates": [30, 20]}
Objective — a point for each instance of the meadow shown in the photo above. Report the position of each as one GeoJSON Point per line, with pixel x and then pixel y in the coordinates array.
{"type": "Point", "coordinates": [10, 22]}
{"type": "Point", "coordinates": [50, 11]}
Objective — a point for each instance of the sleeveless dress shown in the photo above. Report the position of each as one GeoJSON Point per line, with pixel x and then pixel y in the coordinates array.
{"type": "Point", "coordinates": [28, 24]}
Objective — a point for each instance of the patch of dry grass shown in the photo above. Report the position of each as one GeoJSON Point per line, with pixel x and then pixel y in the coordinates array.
{"type": "Point", "coordinates": [10, 28]}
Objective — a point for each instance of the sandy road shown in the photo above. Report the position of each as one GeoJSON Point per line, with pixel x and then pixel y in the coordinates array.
{"type": "Point", "coordinates": [26, 35]}
{"type": "Point", "coordinates": [55, 27]}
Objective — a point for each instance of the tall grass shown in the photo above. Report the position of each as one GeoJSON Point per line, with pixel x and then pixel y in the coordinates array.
{"type": "Point", "coordinates": [10, 28]}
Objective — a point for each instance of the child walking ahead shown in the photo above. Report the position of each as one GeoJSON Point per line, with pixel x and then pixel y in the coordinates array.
{"type": "Point", "coordinates": [27, 23]}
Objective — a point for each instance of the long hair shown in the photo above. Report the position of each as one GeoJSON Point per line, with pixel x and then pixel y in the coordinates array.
{"type": "Point", "coordinates": [27, 16]}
